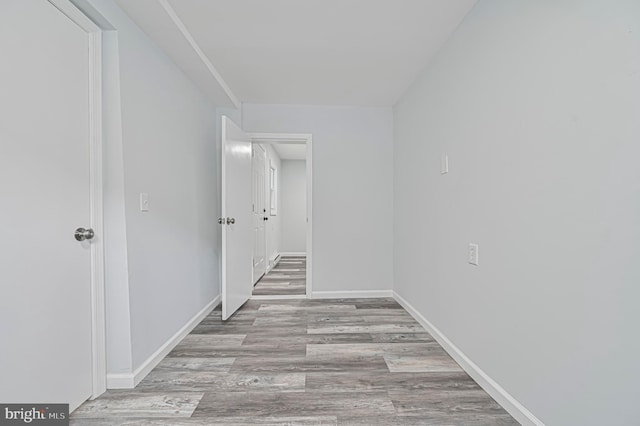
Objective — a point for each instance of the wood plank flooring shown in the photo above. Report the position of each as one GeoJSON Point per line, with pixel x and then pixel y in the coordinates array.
{"type": "Point", "coordinates": [287, 278]}
{"type": "Point", "coordinates": [303, 362]}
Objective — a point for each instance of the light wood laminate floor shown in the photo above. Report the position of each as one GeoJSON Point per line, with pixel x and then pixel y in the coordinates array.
{"type": "Point", "coordinates": [287, 278]}
{"type": "Point", "coordinates": [303, 362]}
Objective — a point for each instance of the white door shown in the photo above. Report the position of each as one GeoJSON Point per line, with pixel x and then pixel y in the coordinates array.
{"type": "Point", "coordinates": [45, 274]}
{"type": "Point", "coordinates": [259, 212]}
{"type": "Point", "coordinates": [237, 229]}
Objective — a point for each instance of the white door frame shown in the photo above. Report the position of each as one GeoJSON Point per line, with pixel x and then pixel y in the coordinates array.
{"type": "Point", "coordinates": [276, 138]}
{"type": "Point", "coordinates": [98, 333]}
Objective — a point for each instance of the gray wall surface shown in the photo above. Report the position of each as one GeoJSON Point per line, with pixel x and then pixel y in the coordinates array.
{"type": "Point", "coordinates": [293, 194]}
{"type": "Point", "coordinates": [352, 189]}
{"type": "Point", "coordinates": [166, 147]}
{"type": "Point", "coordinates": [537, 104]}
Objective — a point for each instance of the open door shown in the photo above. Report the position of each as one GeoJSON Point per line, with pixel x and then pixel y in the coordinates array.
{"type": "Point", "coordinates": [237, 220]}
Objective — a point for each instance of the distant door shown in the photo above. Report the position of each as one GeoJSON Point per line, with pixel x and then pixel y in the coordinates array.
{"type": "Point", "coordinates": [259, 212]}
{"type": "Point", "coordinates": [45, 274]}
{"type": "Point", "coordinates": [237, 220]}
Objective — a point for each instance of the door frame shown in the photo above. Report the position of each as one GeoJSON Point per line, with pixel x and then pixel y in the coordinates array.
{"type": "Point", "coordinates": [98, 319]}
{"type": "Point", "coordinates": [306, 138]}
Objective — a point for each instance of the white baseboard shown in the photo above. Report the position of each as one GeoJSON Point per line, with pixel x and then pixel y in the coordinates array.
{"type": "Point", "coordinates": [131, 380]}
{"type": "Point", "coordinates": [272, 263]}
{"type": "Point", "coordinates": [120, 381]}
{"type": "Point", "coordinates": [351, 294]}
{"type": "Point", "coordinates": [497, 392]}
{"type": "Point", "coordinates": [294, 254]}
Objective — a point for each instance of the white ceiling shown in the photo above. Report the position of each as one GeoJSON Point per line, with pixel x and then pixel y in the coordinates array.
{"type": "Point", "coordinates": [291, 151]}
{"type": "Point", "coordinates": [332, 52]}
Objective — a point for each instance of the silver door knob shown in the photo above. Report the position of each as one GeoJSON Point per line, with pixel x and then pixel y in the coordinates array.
{"type": "Point", "coordinates": [221, 221]}
{"type": "Point", "coordinates": [231, 220]}
{"type": "Point", "coordinates": [82, 234]}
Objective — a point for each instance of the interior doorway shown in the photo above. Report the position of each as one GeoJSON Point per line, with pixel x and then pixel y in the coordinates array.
{"type": "Point", "coordinates": [281, 205]}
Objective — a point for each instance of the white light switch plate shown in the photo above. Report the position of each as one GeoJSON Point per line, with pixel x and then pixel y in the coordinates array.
{"type": "Point", "coordinates": [444, 164]}
{"type": "Point", "coordinates": [473, 254]}
{"type": "Point", "coordinates": [144, 202]}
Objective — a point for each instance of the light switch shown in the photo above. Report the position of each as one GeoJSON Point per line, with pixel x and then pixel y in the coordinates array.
{"type": "Point", "coordinates": [144, 202]}
{"type": "Point", "coordinates": [444, 164]}
{"type": "Point", "coordinates": [473, 254]}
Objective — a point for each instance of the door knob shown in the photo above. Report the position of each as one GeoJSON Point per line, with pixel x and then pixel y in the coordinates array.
{"type": "Point", "coordinates": [265, 218]}
{"type": "Point", "coordinates": [82, 234]}
{"type": "Point", "coordinates": [221, 221]}
{"type": "Point", "coordinates": [231, 220]}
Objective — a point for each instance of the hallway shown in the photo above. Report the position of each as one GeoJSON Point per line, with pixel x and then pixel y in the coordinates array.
{"type": "Point", "coordinates": [303, 362]}
{"type": "Point", "coordinates": [287, 278]}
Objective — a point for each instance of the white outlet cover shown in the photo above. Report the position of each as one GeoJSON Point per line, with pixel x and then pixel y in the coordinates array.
{"type": "Point", "coordinates": [444, 164]}
{"type": "Point", "coordinates": [473, 254]}
{"type": "Point", "coordinates": [144, 202]}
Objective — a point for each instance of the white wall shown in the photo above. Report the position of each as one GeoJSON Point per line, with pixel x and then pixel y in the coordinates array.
{"type": "Point", "coordinates": [118, 317]}
{"type": "Point", "coordinates": [537, 105]}
{"type": "Point", "coordinates": [352, 189]}
{"type": "Point", "coordinates": [293, 194]}
{"type": "Point", "coordinates": [168, 150]}
{"type": "Point", "coordinates": [273, 225]}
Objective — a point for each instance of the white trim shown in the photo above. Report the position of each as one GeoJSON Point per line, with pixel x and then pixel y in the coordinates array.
{"type": "Point", "coordinates": [293, 254]}
{"type": "Point", "coordinates": [281, 138]}
{"type": "Point", "coordinates": [270, 266]}
{"type": "Point", "coordinates": [497, 392]}
{"type": "Point", "coordinates": [120, 381]}
{"type": "Point", "coordinates": [309, 169]}
{"type": "Point", "coordinates": [223, 214]}
{"type": "Point", "coordinates": [99, 337]}
{"type": "Point", "coordinates": [351, 294]}
{"type": "Point", "coordinates": [96, 174]}
{"type": "Point", "coordinates": [131, 380]}
{"type": "Point", "coordinates": [275, 297]}
{"type": "Point", "coordinates": [307, 138]}
{"type": "Point", "coordinates": [192, 42]}
{"type": "Point", "coordinates": [76, 15]}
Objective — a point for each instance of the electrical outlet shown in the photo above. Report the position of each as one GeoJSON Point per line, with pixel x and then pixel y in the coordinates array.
{"type": "Point", "coordinates": [473, 254]}
{"type": "Point", "coordinates": [444, 164]}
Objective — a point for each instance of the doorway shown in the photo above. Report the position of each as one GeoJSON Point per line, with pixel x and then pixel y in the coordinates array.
{"type": "Point", "coordinates": [282, 200]}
